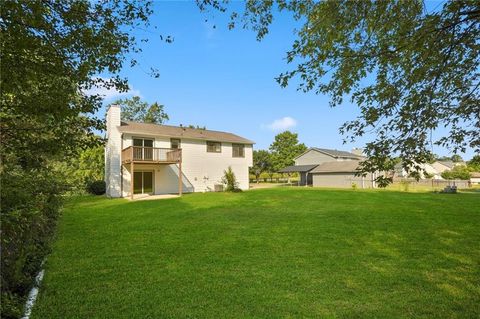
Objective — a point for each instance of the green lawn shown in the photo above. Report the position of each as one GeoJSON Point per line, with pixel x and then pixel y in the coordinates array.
{"type": "Point", "coordinates": [271, 253]}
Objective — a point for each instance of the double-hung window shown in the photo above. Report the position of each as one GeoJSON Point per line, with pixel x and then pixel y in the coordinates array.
{"type": "Point", "coordinates": [214, 147]}
{"type": "Point", "coordinates": [238, 150]}
{"type": "Point", "coordinates": [175, 143]}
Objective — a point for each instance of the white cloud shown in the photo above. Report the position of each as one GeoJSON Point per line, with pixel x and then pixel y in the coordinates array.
{"type": "Point", "coordinates": [111, 93]}
{"type": "Point", "coordinates": [282, 124]}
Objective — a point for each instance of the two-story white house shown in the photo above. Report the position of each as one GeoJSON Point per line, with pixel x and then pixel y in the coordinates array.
{"type": "Point", "coordinates": [143, 158]}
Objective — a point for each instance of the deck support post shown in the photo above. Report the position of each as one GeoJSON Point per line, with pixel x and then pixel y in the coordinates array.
{"type": "Point", "coordinates": [180, 178]}
{"type": "Point", "coordinates": [131, 178]}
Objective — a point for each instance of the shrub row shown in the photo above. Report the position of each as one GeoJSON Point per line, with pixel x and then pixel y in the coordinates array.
{"type": "Point", "coordinates": [96, 187]}
{"type": "Point", "coordinates": [31, 202]}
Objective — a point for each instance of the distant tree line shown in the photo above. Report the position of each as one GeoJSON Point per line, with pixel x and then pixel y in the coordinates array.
{"type": "Point", "coordinates": [454, 158]}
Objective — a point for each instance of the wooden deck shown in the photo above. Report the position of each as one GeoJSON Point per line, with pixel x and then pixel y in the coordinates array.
{"type": "Point", "coordinates": [151, 155]}
{"type": "Point", "coordinates": [134, 155]}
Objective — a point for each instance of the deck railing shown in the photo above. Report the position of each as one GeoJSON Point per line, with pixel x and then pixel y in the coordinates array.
{"type": "Point", "coordinates": [151, 154]}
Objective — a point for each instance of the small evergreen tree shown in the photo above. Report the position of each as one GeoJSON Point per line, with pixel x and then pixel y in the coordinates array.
{"type": "Point", "coordinates": [230, 180]}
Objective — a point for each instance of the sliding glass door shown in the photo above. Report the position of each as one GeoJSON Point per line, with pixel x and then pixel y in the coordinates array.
{"type": "Point", "coordinates": [147, 182]}
{"type": "Point", "coordinates": [144, 151]}
{"type": "Point", "coordinates": [143, 182]}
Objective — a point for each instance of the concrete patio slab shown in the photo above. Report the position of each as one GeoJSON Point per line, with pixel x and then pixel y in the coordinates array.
{"type": "Point", "coordinates": [152, 197]}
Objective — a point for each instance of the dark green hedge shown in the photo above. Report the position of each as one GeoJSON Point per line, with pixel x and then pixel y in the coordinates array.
{"type": "Point", "coordinates": [96, 188]}
{"type": "Point", "coordinates": [31, 202]}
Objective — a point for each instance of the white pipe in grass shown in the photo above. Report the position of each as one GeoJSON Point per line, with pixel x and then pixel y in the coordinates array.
{"type": "Point", "coordinates": [32, 295]}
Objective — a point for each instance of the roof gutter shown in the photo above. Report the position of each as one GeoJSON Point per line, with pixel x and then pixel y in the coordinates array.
{"type": "Point", "coordinates": [248, 142]}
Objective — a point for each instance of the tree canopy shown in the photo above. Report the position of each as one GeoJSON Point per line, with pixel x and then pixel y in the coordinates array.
{"type": "Point", "coordinates": [52, 54]}
{"type": "Point", "coordinates": [409, 68]}
{"type": "Point", "coordinates": [474, 163]}
{"type": "Point", "coordinates": [284, 149]}
{"type": "Point", "coordinates": [85, 168]}
{"type": "Point", "coordinates": [454, 158]}
{"type": "Point", "coordinates": [457, 158]}
{"type": "Point", "coordinates": [134, 109]}
{"type": "Point", "coordinates": [458, 172]}
{"type": "Point", "coordinates": [262, 162]}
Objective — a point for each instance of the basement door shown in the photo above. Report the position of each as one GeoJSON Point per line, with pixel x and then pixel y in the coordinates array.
{"type": "Point", "coordinates": [143, 182]}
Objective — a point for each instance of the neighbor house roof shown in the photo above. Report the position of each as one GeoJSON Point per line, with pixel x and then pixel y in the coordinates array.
{"type": "Point", "coordinates": [181, 132]}
{"type": "Point", "coordinates": [297, 168]}
{"type": "Point", "coordinates": [332, 153]}
{"type": "Point", "coordinates": [336, 153]}
{"type": "Point", "coordinates": [475, 175]}
{"type": "Point", "coordinates": [448, 164]}
{"type": "Point", "coordinates": [337, 167]}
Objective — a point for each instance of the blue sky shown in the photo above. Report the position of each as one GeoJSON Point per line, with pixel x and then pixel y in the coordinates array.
{"type": "Point", "coordinates": [224, 80]}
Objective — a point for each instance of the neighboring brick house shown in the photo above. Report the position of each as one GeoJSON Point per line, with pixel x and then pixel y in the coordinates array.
{"type": "Point", "coordinates": [170, 159]}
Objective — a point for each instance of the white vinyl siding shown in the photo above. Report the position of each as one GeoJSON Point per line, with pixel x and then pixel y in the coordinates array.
{"type": "Point", "coordinates": [201, 169]}
{"type": "Point", "coordinates": [113, 149]}
{"type": "Point", "coordinates": [342, 180]}
{"type": "Point", "coordinates": [313, 157]}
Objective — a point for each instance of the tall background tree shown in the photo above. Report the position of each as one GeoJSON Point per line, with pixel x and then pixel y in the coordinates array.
{"type": "Point", "coordinates": [78, 172]}
{"type": "Point", "coordinates": [52, 53]}
{"type": "Point", "coordinates": [409, 67]}
{"type": "Point", "coordinates": [134, 109]}
{"type": "Point", "coordinates": [284, 149]}
{"type": "Point", "coordinates": [474, 163]}
{"type": "Point", "coordinates": [457, 158]}
{"type": "Point", "coordinates": [261, 163]}
{"type": "Point", "coordinates": [454, 158]}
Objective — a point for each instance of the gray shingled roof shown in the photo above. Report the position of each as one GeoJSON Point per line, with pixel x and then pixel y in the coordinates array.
{"type": "Point", "coordinates": [297, 168]}
{"type": "Point", "coordinates": [336, 153]}
{"type": "Point", "coordinates": [181, 132]}
{"type": "Point", "coordinates": [449, 164]}
{"type": "Point", "coordinates": [337, 167]}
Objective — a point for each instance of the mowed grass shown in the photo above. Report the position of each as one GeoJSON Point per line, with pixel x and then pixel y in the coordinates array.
{"type": "Point", "coordinates": [271, 253]}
